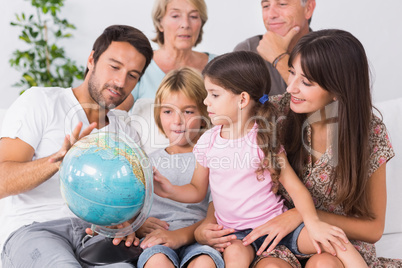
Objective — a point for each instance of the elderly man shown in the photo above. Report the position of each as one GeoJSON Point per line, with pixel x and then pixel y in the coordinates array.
{"type": "Point", "coordinates": [286, 22]}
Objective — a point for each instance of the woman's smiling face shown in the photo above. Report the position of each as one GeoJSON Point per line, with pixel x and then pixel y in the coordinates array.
{"type": "Point", "coordinates": [306, 97]}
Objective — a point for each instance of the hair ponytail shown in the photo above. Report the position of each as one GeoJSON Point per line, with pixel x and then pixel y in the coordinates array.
{"type": "Point", "coordinates": [268, 141]}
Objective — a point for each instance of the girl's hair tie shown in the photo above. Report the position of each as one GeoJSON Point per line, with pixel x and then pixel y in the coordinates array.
{"type": "Point", "coordinates": [264, 98]}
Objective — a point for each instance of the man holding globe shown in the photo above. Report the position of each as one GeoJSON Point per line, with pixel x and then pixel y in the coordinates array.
{"type": "Point", "coordinates": [38, 130]}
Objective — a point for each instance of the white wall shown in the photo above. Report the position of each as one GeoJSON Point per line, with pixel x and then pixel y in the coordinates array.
{"type": "Point", "coordinates": [376, 24]}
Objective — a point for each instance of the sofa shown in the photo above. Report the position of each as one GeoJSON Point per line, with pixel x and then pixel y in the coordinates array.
{"type": "Point", "coordinates": [390, 245]}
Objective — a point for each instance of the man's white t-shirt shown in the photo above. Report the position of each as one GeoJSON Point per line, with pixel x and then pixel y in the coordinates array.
{"type": "Point", "coordinates": [42, 117]}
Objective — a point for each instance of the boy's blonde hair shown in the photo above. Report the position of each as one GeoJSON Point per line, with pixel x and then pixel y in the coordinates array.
{"type": "Point", "coordinates": [188, 81]}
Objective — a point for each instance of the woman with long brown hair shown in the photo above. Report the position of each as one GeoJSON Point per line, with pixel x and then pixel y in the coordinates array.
{"type": "Point", "coordinates": [336, 145]}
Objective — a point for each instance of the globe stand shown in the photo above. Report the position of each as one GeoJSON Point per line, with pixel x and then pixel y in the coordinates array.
{"type": "Point", "coordinates": [105, 252]}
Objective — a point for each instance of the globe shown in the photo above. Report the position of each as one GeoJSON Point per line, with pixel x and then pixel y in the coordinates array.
{"type": "Point", "coordinates": [106, 179]}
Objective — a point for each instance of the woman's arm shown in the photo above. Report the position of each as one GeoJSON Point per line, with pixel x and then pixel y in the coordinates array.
{"type": "Point", "coordinates": [355, 228]}
{"type": "Point", "coordinates": [321, 233]}
{"type": "Point", "coordinates": [360, 228]}
{"type": "Point", "coordinates": [193, 192]}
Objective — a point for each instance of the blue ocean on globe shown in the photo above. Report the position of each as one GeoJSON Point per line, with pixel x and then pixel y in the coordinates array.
{"type": "Point", "coordinates": [102, 180]}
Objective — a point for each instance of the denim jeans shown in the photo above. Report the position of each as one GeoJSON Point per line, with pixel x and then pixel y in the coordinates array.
{"type": "Point", "coordinates": [290, 241]}
{"type": "Point", "coordinates": [180, 257]}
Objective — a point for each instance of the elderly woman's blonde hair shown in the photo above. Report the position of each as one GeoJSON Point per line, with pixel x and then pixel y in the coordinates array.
{"type": "Point", "coordinates": [189, 82]}
{"type": "Point", "coordinates": [159, 12]}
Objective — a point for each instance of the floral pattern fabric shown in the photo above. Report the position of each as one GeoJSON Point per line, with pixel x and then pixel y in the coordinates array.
{"type": "Point", "coordinates": [317, 178]}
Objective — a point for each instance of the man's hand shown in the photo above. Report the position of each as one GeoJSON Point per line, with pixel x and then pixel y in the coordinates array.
{"type": "Point", "coordinates": [130, 239]}
{"type": "Point", "coordinates": [69, 141]}
{"type": "Point", "coordinates": [272, 44]}
{"type": "Point", "coordinates": [16, 162]}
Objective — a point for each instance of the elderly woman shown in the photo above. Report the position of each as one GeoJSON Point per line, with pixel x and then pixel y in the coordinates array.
{"type": "Point", "coordinates": [178, 25]}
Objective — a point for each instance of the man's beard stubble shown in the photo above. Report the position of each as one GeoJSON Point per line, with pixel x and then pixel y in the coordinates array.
{"type": "Point", "coordinates": [96, 94]}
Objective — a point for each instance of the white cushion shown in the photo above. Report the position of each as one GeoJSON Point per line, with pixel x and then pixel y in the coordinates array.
{"type": "Point", "coordinates": [390, 246]}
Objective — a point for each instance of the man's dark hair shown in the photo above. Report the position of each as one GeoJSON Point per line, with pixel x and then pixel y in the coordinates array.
{"type": "Point", "coordinates": [122, 33]}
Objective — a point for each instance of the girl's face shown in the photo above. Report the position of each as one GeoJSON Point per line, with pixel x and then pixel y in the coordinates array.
{"type": "Point", "coordinates": [306, 97]}
{"type": "Point", "coordinates": [222, 104]}
{"type": "Point", "coordinates": [181, 121]}
{"type": "Point", "coordinates": [181, 25]}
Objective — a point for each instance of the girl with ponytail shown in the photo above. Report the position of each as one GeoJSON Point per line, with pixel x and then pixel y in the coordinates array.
{"type": "Point", "coordinates": [242, 162]}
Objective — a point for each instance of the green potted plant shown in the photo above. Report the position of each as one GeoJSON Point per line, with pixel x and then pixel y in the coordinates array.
{"type": "Point", "coordinates": [44, 62]}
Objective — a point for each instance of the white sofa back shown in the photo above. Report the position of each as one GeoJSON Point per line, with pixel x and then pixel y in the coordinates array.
{"type": "Point", "coordinates": [392, 115]}
{"type": "Point", "coordinates": [390, 245]}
